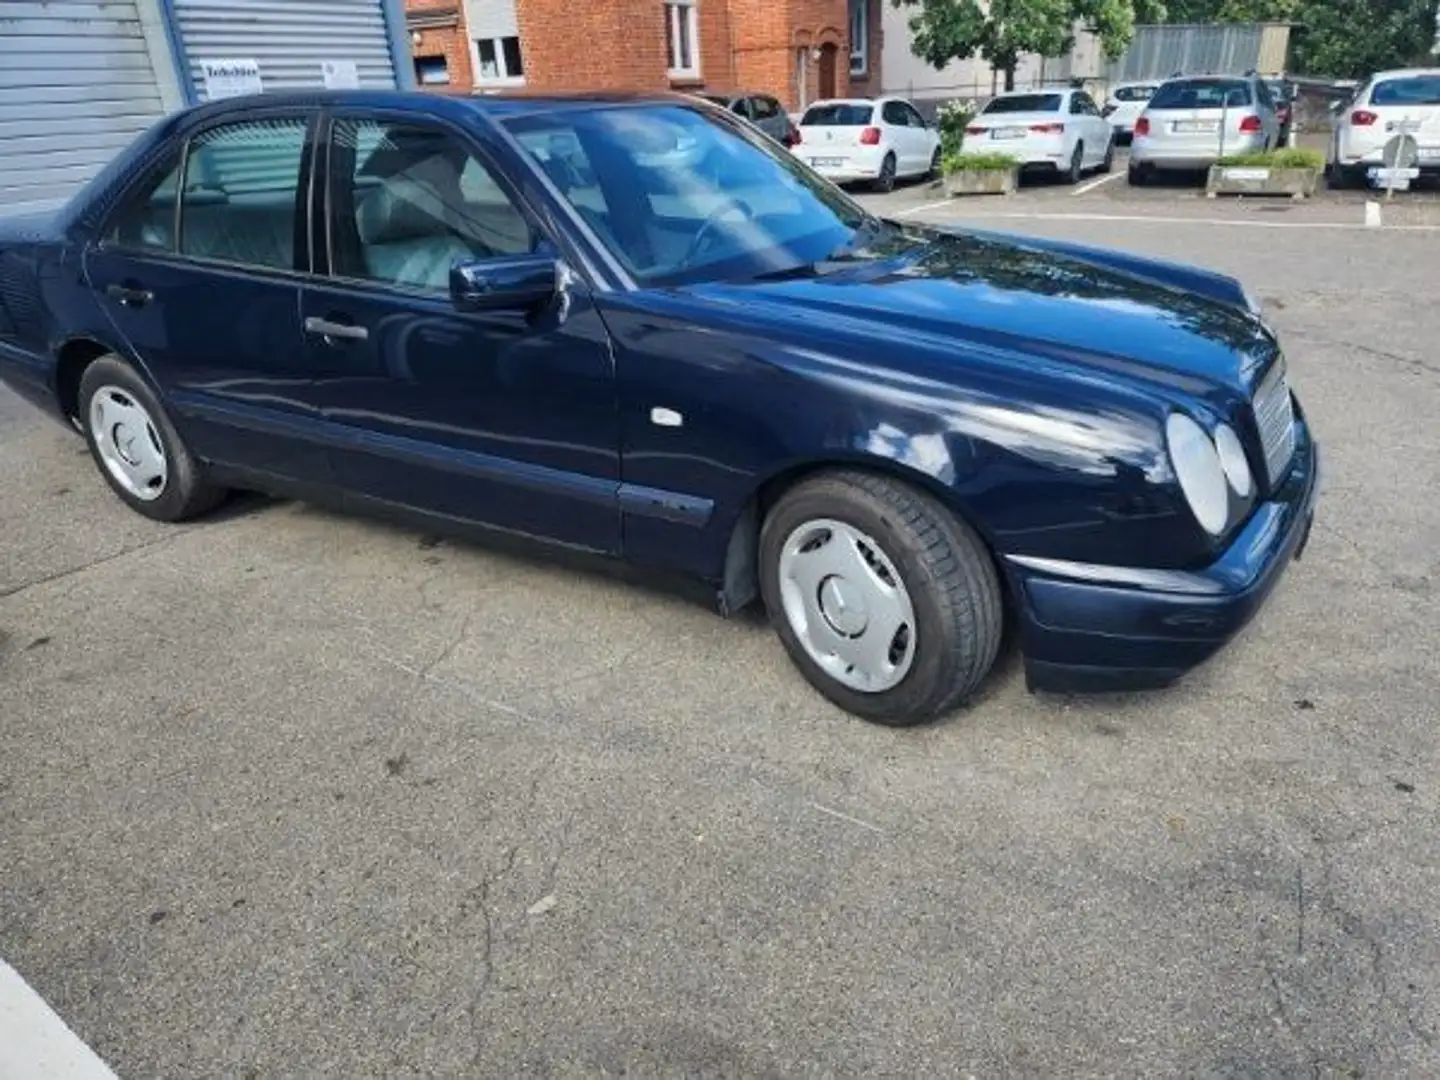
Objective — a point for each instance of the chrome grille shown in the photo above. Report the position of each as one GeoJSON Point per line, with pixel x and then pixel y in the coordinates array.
{"type": "Point", "coordinates": [1275, 418]}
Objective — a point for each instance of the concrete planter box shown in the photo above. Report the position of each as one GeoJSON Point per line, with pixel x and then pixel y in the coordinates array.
{"type": "Point", "coordinates": [1261, 180]}
{"type": "Point", "coordinates": [982, 182]}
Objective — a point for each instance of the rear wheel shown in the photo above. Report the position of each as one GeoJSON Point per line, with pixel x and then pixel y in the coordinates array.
{"type": "Point", "coordinates": [1109, 163]}
{"type": "Point", "coordinates": [1077, 165]}
{"type": "Point", "coordinates": [1137, 175]}
{"type": "Point", "coordinates": [137, 449]}
{"type": "Point", "coordinates": [935, 165]}
{"type": "Point", "coordinates": [1344, 178]}
{"type": "Point", "coordinates": [888, 604]}
{"type": "Point", "coordinates": [886, 180]}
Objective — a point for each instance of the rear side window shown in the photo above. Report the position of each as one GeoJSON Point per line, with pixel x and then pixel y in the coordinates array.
{"type": "Point", "coordinates": [894, 113]}
{"type": "Point", "coordinates": [1023, 103]}
{"type": "Point", "coordinates": [1411, 90]}
{"type": "Point", "coordinates": [837, 116]}
{"type": "Point", "coordinates": [766, 108]}
{"type": "Point", "coordinates": [1134, 93]}
{"type": "Point", "coordinates": [1202, 94]}
{"type": "Point", "coordinates": [239, 200]}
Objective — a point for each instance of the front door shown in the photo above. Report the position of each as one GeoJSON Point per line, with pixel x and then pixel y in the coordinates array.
{"type": "Point", "coordinates": [827, 71]}
{"type": "Point", "coordinates": [212, 310]}
{"type": "Point", "coordinates": [504, 418]}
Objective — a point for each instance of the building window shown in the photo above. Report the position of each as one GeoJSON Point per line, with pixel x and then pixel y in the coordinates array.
{"type": "Point", "coordinates": [431, 71]}
{"type": "Point", "coordinates": [497, 60]}
{"type": "Point", "coordinates": [682, 39]}
{"type": "Point", "coordinates": [859, 37]}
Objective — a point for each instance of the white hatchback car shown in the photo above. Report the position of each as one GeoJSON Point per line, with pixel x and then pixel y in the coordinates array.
{"type": "Point", "coordinates": [1124, 106]}
{"type": "Point", "coordinates": [1054, 129]}
{"type": "Point", "coordinates": [1384, 105]}
{"type": "Point", "coordinates": [852, 139]}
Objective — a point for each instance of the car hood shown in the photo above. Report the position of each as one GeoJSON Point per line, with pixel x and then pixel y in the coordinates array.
{"type": "Point", "coordinates": [1081, 307]}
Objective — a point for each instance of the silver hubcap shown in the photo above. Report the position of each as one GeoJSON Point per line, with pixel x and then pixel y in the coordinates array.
{"type": "Point", "coordinates": [847, 605]}
{"type": "Point", "coordinates": [128, 443]}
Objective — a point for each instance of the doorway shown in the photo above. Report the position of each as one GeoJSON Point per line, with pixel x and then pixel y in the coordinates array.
{"type": "Point", "coordinates": [827, 70]}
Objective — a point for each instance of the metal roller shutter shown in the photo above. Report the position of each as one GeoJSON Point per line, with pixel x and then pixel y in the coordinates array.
{"type": "Point", "coordinates": [287, 39]}
{"type": "Point", "coordinates": [76, 86]}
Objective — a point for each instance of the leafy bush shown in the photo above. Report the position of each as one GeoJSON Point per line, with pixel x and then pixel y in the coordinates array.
{"type": "Point", "coordinates": [1294, 157]}
{"type": "Point", "coordinates": [986, 162]}
{"type": "Point", "coordinates": [952, 118]}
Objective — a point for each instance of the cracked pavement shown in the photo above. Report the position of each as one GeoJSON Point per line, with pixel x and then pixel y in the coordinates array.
{"type": "Point", "coordinates": [280, 791]}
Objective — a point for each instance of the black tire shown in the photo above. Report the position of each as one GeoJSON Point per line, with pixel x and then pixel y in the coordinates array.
{"type": "Point", "coordinates": [953, 586]}
{"type": "Point", "coordinates": [885, 182]}
{"type": "Point", "coordinates": [1108, 165]}
{"type": "Point", "coordinates": [186, 492]}
{"type": "Point", "coordinates": [1077, 164]}
{"type": "Point", "coordinates": [934, 173]}
{"type": "Point", "coordinates": [1137, 175]}
{"type": "Point", "coordinates": [1341, 178]}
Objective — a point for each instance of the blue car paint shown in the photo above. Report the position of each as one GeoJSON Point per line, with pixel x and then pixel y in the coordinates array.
{"type": "Point", "coordinates": [1022, 382]}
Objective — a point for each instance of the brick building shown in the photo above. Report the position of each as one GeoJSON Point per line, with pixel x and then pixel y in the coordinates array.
{"type": "Point", "coordinates": [798, 50]}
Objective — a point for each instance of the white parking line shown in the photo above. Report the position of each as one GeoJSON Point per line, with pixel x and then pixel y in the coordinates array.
{"type": "Point", "coordinates": [1244, 223]}
{"type": "Point", "coordinates": [1093, 184]}
{"type": "Point", "coordinates": [922, 209]}
{"type": "Point", "coordinates": [35, 1044]}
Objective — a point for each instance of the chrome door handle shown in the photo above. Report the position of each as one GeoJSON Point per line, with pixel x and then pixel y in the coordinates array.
{"type": "Point", "coordinates": [129, 296]}
{"type": "Point", "coordinates": [340, 331]}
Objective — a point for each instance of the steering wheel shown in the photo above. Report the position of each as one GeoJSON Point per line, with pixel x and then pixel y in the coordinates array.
{"type": "Point", "coordinates": [705, 235]}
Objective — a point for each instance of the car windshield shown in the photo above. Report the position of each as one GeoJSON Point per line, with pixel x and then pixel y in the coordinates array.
{"type": "Point", "coordinates": [1134, 93]}
{"type": "Point", "coordinates": [1411, 90]}
{"type": "Point", "coordinates": [681, 197]}
{"type": "Point", "coordinates": [837, 115]}
{"type": "Point", "coordinates": [1201, 94]}
{"type": "Point", "coordinates": [1024, 103]}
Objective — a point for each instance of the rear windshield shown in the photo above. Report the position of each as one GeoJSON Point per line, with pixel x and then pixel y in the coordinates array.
{"type": "Point", "coordinates": [1411, 90]}
{"type": "Point", "coordinates": [1134, 93]}
{"type": "Point", "coordinates": [1201, 94]}
{"type": "Point", "coordinates": [1024, 103]}
{"type": "Point", "coordinates": [837, 116]}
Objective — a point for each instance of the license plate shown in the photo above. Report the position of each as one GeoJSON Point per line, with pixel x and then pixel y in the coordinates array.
{"type": "Point", "coordinates": [1008, 133]}
{"type": "Point", "coordinates": [827, 162]}
{"type": "Point", "coordinates": [1430, 153]}
{"type": "Point", "coordinates": [1189, 127]}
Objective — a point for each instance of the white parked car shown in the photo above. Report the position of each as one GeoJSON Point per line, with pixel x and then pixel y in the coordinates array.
{"type": "Point", "coordinates": [1193, 121]}
{"type": "Point", "coordinates": [1060, 130]}
{"type": "Point", "coordinates": [1383, 105]}
{"type": "Point", "coordinates": [1124, 106]}
{"type": "Point", "coordinates": [880, 141]}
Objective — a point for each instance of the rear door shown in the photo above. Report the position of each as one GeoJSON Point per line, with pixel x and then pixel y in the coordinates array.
{"type": "Point", "coordinates": [927, 139]}
{"type": "Point", "coordinates": [1096, 128]}
{"type": "Point", "coordinates": [209, 300]}
{"type": "Point", "coordinates": [900, 136]}
{"type": "Point", "coordinates": [770, 117]}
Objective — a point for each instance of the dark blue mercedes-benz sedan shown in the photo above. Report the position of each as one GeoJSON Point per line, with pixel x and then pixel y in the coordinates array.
{"type": "Point", "coordinates": [634, 326]}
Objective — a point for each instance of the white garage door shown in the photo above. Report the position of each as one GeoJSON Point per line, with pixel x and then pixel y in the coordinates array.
{"type": "Point", "coordinates": [76, 86]}
{"type": "Point", "coordinates": [288, 39]}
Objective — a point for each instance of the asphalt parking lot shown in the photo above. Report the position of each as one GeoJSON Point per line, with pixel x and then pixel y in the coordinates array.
{"type": "Point", "coordinates": [288, 794]}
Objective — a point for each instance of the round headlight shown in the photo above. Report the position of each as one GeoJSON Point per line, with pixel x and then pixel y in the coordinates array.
{"type": "Point", "coordinates": [1198, 468]}
{"type": "Point", "coordinates": [1232, 460]}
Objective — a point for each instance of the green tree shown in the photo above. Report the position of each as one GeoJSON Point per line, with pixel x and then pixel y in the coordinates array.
{"type": "Point", "coordinates": [1349, 41]}
{"type": "Point", "coordinates": [1000, 31]}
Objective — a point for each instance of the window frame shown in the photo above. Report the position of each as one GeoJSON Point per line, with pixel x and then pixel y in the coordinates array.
{"type": "Point", "coordinates": [682, 14]}
{"type": "Point", "coordinates": [505, 78]}
{"type": "Point", "coordinates": [859, 48]}
{"type": "Point", "coordinates": [325, 143]}
{"type": "Point", "coordinates": [304, 254]}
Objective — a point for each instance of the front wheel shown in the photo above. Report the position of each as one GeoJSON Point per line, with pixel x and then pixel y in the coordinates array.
{"type": "Point", "coordinates": [886, 180]}
{"type": "Point", "coordinates": [888, 604]}
{"type": "Point", "coordinates": [136, 447]}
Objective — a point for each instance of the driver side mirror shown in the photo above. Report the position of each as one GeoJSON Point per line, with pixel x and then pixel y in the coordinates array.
{"type": "Point", "coordinates": [509, 283]}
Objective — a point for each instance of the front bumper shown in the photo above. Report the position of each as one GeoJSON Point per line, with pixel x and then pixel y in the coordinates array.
{"type": "Point", "coordinates": [1097, 628]}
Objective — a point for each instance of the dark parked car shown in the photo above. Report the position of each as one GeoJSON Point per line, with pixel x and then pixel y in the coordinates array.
{"type": "Point", "coordinates": [639, 328]}
{"type": "Point", "coordinates": [762, 110]}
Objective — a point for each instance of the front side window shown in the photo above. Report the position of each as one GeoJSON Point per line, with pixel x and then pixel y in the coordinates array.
{"type": "Point", "coordinates": [239, 199]}
{"type": "Point", "coordinates": [859, 37]}
{"type": "Point", "coordinates": [682, 39]}
{"type": "Point", "coordinates": [498, 60]}
{"type": "Point", "coordinates": [1024, 103]}
{"type": "Point", "coordinates": [679, 197]}
{"type": "Point", "coordinates": [408, 202]}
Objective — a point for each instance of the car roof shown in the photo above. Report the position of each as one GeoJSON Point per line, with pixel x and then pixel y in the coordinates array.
{"type": "Point", "coordinates": [501, 105]}
{"type": "Point", "coordinates": [843, 101]}
{"type": "Point", "coordinates": [1041, 90]}
{"type": "Point", "coordinates": [1403, 73]}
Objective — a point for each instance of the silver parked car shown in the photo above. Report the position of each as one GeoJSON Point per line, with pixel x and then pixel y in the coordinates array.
{"type": "Point", "coordinates": [1193, 121]}
{"type": "Point", "coordinates": [762, 110]}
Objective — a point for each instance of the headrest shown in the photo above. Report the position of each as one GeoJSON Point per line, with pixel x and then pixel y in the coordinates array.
{"type": "Point", "coordinates": [399, 211]}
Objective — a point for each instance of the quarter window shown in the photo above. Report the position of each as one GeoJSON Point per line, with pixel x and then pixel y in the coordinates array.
{"type": "Point", "coordinates": [408, 202]}
{"type": "Point", "coordinates": [147, 222]}
{"type": "Point", "coordinates": [859, 37]}
{"type": "Point", "coordinates": [239, 200]}
{"type": "Point", "coordinates": [682, 39]}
